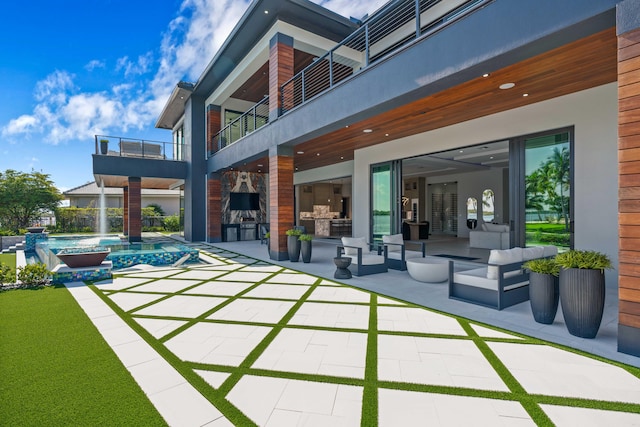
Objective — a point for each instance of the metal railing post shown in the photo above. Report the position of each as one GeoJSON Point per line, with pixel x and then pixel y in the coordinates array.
{"type": "Point", "coordinates": [366, 45]}
{"type": "Point", "coordinates": [418, 26]}
{"type": "Point", "coordinates": [303, 88]}
{"type": "Point", "coordinates": [331, 68]}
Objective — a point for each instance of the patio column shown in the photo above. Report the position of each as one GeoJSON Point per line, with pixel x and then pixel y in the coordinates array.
{"type": "Point", "coordinates": [628, 29]}
{"type": "Point", "coordinates": [281, 210]}
{"type": "Point", "coordinates": [135, 209]}
{"type": "Point", "coordinates": [214, 208]}
{"type": "Point", "coordinates": [125, 211]}
{"type": "Point", "coordinates": [214, 121]}
{"type": "Point", "coordinates": [280, 70]}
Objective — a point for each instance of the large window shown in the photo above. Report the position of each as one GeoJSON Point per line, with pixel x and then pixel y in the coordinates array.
{"type": "Point", "coordinates": [385, 203]}
{"type": "Point", "coordinates": [488, 205]}
{"type": "Point", "coordinates": [548, 190]}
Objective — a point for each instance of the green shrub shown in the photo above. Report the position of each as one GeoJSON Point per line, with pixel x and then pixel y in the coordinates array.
{"type": "Point", "coordinates": [7, 275]}
{"type": "Point", "coordinates": [294, 232]}
{"type": "Point", "coordinates": [172, 223]}
{"type": "Point", "coordinates": [305, 237]}
{"type": "Point", "coordinates": [154, 228]}
{"type": "Point", "coordinates": [34, 274]}
{"type": "Point", "coordinates": [583, 259]}
{"type": "Point", "coordinates": [543, 266]}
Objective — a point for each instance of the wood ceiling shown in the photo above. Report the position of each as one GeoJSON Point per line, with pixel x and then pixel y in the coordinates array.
{"type": "Point", "coordinates": [577, 66]}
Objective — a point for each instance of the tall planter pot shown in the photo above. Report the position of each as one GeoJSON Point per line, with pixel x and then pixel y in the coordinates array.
{"type": "Point", "coordinates": [293, 247]}
{"type": "Point", "coordinates": [305, 251]}
{"type": "Point", "coordinates": [582, 299]}
{"type": "Point", "coordinates": [543, 296]}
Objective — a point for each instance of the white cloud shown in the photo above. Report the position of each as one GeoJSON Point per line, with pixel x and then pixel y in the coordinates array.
{"type": "Point", "coordinates": [63, 112]}
{"type": "Point", "coordinates": [96, 63]}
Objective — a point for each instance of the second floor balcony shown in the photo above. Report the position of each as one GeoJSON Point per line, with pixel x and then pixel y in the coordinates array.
{"type": "Point", "coordinates": [137, 148]}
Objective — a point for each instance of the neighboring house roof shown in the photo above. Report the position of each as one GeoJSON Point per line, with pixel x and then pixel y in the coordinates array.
{"type": "Point", "coordinates": [92, 189]}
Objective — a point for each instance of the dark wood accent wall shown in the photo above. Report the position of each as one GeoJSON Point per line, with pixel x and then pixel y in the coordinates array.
{"type": "Point", "coordinates": [280, 70]}
{"type": "Point", "coordinates": [135, 209]}
{"type": "Point", "coordinates": [629, 190]}
{"type": "Point", "coordinates": [214, 210]}
{"type": "Point", "coordinates": [214, 123]}
{"type": "Point", "coordinates": [125, 211]}
{"type": "Point", "coordinates": [281, 216]}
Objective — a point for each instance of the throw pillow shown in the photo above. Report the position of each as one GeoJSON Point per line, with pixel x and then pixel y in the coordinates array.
{"type": "Point", "coordinates": [396, 239]}
{"type": "Point", "coordinates": [501, 257]}
{"type": "Point", "coordinates": [358, 242]}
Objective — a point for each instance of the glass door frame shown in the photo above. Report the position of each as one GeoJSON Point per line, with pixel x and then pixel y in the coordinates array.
{"type": "Point", "coordinates": [395, 197]}
{"type": "Point", "coordinates": [517, 187]}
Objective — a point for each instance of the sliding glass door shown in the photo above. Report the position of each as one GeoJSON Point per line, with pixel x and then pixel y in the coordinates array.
{"type": "Point", "coordinates": [544, 165]}
{"type": "Point", "coordinates": [385, 200]}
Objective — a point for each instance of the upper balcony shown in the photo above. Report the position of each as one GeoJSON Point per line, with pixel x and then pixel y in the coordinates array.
{"type": "Point", "coordinates": [160, 164]}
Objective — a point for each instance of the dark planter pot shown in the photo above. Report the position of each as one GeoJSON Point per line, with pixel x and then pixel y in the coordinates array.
{"type": "Point", "coordinates": [293, 246]}
{"type": "Point", "coordinates": [543, 296]}
{"type": "Point", "coordinates": [582, 298]}
{"type": "Point", "coordinates": [305, 251]}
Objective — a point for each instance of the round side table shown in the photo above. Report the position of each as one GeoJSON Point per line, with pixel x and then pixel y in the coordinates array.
{"type": "Point", "coordinates": [342, 268]}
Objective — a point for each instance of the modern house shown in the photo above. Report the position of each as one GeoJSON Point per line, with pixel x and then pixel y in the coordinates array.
{"type": "Point", "coordinates": [450, 112]}
{"type": "Point", "coordinates": [88, 195]}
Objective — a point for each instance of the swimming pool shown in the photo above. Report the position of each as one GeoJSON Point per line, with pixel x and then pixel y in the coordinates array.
{"type": "Point", "coordinates": [122, 254]}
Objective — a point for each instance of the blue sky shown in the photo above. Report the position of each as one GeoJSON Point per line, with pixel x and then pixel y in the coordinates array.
{"type": "Point", "coordinates": [71, 69]}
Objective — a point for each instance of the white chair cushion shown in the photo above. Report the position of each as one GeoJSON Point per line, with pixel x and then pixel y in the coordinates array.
{"type": "Point", "coordinates": [532, 253]}
{"type": "Point", "coordinates": [371, 259]}
{"type": "Point", "coordinates": [396, 239]}
{"type": "Point", "coordinates": [358, 242]}
{"type": "Point", "coordinates": [478, 278]}
{"type": "Point", "coordinates": [501, 228]}
{"type": "Point", "coordinates": [550, 250]}
{"type": "Point", "coordinates": [501, 257]}
{"type": "Point", "coordinates": [407, 255]}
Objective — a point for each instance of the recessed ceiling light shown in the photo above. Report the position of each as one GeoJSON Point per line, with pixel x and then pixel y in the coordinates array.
{"type": "Point", "coordinates": [367, 130]}
{"type": "Point", "coordinates": [259, 166]}
{"type": "Point", "coordinates": [300, 152]}
{"type": "Point", "coordinates": [266, 12]}
{"type": "Point", "coordinates": [485, 75]}
{"type": "Point", "coordinates": [259, 170]}
{"type": "Point", "coordinates": [296, 168]}
{"type": "Point", "coordinates": [347, 126]}
{"type": "Point", "coordinates": [507, 85]}
{"type": "Point", "coordinates": [461, 151]}
{"type": "Point", "coordinates": [525, 94]}
{"type": "Point", "coordinates": [317, 154]}
{"type": "Point", "coordinates": [341, 157]}
{"type": "Point", "coordinates": [386, 134]}
{"type": "Point", "coordinates": [491, 157]}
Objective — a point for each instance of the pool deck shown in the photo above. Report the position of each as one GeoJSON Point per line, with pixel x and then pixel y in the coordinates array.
{"type": "Point", "coordinates": [250, 341]}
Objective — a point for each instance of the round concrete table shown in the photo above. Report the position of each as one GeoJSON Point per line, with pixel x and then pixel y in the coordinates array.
{"type": "Point", "coordinates": [428, 269]}
{"type": "Point", "coordinates": [342, 268]}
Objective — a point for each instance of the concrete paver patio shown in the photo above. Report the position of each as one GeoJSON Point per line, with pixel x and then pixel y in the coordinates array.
{"type": "Point", "coordinates": [244, 342]}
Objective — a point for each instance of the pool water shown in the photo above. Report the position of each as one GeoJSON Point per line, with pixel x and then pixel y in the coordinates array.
{"type": "Point", "coordinates": [122, 255]}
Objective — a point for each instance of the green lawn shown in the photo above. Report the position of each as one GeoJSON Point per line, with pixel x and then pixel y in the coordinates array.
{"type": "Point", "coordinates": [9, 259]}
{"type": "Point", "coordinates": [56, 369]}
{"type": "Point", "coordinates": [545, 227]}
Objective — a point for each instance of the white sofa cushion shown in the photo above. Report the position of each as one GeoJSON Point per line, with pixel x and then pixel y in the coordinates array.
{"type": "Point", "coordinates": [499, 228]}
{"type": "Point", "coordinates": [478, 278]}
{"type": "Point", "coordinates": [501, 257]}
{"type": "Point", "coordinates": [396, 239]}
{"type": "Point", "coordinates": [532, 252]}
{"type": "Point", "coordinates": [358, 242]}
{"type": "Point", "coordinates": [549, 250]}
{"type": "Point", "coordinates": [369, 259]}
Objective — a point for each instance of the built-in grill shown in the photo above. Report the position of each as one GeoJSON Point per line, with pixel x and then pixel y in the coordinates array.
{"type": "Point", "coordinates": [248, 228]}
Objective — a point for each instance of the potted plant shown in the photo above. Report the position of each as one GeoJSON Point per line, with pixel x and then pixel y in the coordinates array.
{"type": "Point", "coordinates": [267, 236]}
{"type": "Point", "coordinates": [544, 291]}
{"type": "Point", "coordinates": [293, 244]}
{"type": "Point", "coordinates": [582, 290]}
{"type": "Point", "coordinates": [305, 247]}
{"type": "Point", "coordinates": [104, 146]}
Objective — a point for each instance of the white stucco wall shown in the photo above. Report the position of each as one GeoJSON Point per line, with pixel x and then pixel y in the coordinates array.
{"type": "Point", "coordinates": [592, 112]}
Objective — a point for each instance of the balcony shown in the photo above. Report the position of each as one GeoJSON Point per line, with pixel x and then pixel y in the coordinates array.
{"type": "Point", "coordinates": [137, 148]}
{"type": "Point", "coordinates": [161, 165]}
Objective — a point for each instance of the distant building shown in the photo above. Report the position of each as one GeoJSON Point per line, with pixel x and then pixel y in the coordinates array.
{"type": "Point", "coordinates": [88, 196]}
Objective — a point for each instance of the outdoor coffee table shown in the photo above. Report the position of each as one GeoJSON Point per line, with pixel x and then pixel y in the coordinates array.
{"type": "Point", "coordinates": [428, 269]}
{"type": "Point", "coordinates": [342, 268]}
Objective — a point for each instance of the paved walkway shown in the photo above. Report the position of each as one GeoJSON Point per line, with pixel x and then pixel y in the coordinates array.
{"type": "Point", "coordinates": [245, 342]}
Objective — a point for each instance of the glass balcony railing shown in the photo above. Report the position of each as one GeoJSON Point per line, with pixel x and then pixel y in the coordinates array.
{"type": "Point", "coordinates": [132, 147]}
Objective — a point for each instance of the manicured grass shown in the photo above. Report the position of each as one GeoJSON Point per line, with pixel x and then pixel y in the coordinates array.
{"type": "Point", "coordinates": [9, 259]}
{"type": "Point", "coordinates": [57, 370]}
{"type": "Point", "coordinates": [546, 227]}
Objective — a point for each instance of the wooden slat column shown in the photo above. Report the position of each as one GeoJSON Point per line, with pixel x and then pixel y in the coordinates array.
{"type": "Point", "coordinates": [135, 209]}
{"type": "Point", "coordinates": [281, 209]}
{"type": "Point", "coordinates": [214, 209]}
{"type": "Point", "coordinates": [125, 211]}
{"type": "Point", "coordinates": [214, 121]}
{"type": "Point", "coordinates": [280, 70]}
{"type": "Point", "coordinates": [629, 177]}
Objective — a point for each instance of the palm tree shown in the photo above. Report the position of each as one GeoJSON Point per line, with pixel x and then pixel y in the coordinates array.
{"type": "Point", "coordinates": [557, 168]}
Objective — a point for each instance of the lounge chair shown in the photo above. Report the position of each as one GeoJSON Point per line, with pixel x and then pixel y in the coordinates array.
{"type": "Point", "coordinates": [396, 252]}
{"type": "Point", "coordinates": [363, 260]}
